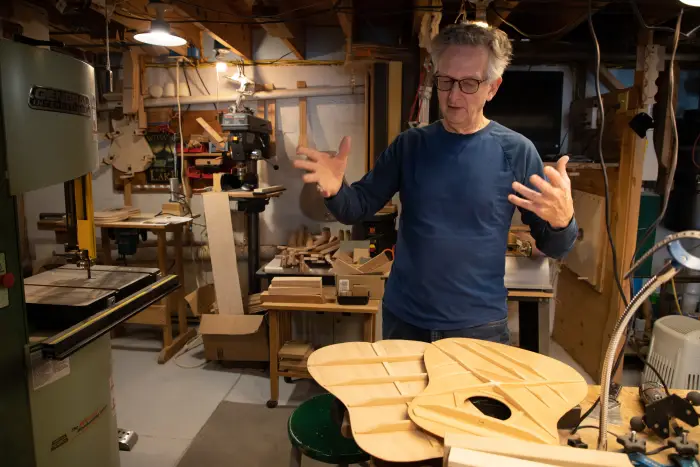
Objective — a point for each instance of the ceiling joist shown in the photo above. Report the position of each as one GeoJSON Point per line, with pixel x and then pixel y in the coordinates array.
{"type": "Point", "coordinates": [235, 37]}
{"type": "Point", "coordinates": [291, 33]}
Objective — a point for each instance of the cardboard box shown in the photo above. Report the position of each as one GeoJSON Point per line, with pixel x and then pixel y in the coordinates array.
{"type": "Point", "coordinates": [235, 338]}
{"type": "Point", "coordinates": [202, 301]}
{"type": "Point", "coordinates": [360, 286]}
{"type": "Point", "coordinates": [380, 264]}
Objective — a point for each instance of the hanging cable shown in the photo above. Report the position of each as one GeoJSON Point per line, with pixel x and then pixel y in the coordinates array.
{"type": "Point", "coordinates": [531, 36]}
{"type": "Point", "coordinates": [676, 143]}
{"type": "Point", "coordinates": [606, 181]}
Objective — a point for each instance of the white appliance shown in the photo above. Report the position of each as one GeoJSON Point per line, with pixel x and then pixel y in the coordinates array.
{"type": "Point", "coordinates": [674, 352]}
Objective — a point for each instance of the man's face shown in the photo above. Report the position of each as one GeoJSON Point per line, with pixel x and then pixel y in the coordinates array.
{"type": "Point", "coordinates": [459, 62]}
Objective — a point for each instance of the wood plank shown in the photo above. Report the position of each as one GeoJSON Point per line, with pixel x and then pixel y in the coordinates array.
{"type": "Point", "coordinates": [295, 350]}
{"type": "Point", "coordinates": [549, 455]}
{"type": "Point", "coordinates": [213, 134]}
{"type": "Point", "coordinates": [235, 37]}
{"type": "Point", "coordinates": [297, 282]}
{"type": "Point", "coordinates": [329, 306]}
{"type": "Point", "coordinates": [295, 291]}
{"type": "Point", "coordinates": [394, 101]}
{"type": "Point", "coordinates": [459, 457]}
{"type": "Point", "coordinates": [293, 365]}
{"type": "Point", "coordinates": [217, 212]}
{"type": "Point", "coordinates": [267, 298]}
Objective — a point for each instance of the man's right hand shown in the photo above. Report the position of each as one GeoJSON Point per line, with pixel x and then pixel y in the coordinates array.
{"type": "Point", "coordinates": [325, 169]}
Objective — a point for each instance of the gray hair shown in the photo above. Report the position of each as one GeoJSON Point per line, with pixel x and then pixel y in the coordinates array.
{"type": "Point", "coordinates": [476, 34]}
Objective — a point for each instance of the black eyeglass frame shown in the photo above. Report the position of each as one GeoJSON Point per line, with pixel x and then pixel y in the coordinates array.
{"type": "Point", "coordinates": [436, 80]}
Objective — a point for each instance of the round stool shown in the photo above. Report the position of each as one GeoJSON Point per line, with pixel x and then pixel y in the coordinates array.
{"type": "Point", "coordinates": [315, 432]}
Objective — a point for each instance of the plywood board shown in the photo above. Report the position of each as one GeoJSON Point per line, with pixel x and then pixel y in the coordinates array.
{"type": "Point", "coordinates": [587, 258]}
{"type": "Point", "coordinates": [537, 390]}
{"type": "Point", "coordinates": [217, 212]}
{"type": "Point", "coordinates": [376, 382]}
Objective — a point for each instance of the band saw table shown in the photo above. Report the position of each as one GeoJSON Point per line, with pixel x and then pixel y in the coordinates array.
{"type": "Point", "coordinates": [81, 309]}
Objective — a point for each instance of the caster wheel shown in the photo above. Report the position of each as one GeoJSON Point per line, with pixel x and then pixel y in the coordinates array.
{"type": "Point", "coordinates": [288, 379]}
{"type": "Point", "coordinates": [271, 404]}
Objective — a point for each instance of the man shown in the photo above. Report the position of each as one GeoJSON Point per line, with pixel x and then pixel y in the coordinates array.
{"type": "Point", "coordinates": [456, 179]}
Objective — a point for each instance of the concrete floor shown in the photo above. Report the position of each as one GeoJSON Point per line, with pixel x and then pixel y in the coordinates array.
{"type": "Point", "coordinates": [167, 404]}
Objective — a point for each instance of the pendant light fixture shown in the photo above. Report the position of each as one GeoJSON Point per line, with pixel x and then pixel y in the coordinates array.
{"type": "Point", "coordinates": [159, 33]}
{"type": "Point", "coordinates": [691, 2]}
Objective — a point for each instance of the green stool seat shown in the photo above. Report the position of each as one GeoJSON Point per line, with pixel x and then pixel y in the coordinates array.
{"type": "Point", "coordinates": [315, 433]}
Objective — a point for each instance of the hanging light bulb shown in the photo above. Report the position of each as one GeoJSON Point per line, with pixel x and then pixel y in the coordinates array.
{"type": "Point", "coordinates": [221, 67]}
{"type": "Point", "coordinates": [159, 33]}
{"type": "Point", "coordinates": [691, 2]}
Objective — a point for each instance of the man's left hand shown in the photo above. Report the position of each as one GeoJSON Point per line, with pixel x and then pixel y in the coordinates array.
{"type": "Point", "coordinates": [553, 202]}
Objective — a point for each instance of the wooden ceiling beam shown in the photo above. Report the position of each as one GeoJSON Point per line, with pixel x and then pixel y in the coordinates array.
{"type": "Point", "coordinates": [345, 18]}
{"type": "Point", "coordinates": [505, 8]}
{"type": "Point", "coordinates": [235, 37]}
{"type": "Point", "coordinates": [291, 33]}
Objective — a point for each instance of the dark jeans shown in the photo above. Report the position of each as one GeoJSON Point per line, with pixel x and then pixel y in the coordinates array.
{"type": "Point", "coordinates": [395, 328]}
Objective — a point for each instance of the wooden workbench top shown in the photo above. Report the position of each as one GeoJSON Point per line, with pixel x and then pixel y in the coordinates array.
{"type": "Point", "coordinates": [146, 221]}
{"type": "Point", "coordinates": [331, 306]}
{"type": "Point", "coordinates": [142, 221]}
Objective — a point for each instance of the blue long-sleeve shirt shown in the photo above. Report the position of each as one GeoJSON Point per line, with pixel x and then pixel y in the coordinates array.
{"type": "Point", "coordinates": [455, 216]}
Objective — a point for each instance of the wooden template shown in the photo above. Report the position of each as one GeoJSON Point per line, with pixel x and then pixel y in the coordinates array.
{"type": "Point", "coordinates": [222, 248]}
{"type": "Point", "coordinates": [397, 416]}
{"type": "Point", "coordinates": [376, 382]}
{"type": "Point", "coordinates": [537, 390]}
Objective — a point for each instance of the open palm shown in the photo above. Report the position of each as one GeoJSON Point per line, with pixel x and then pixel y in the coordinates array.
{"type": "Point", "coordinates": [326, 169]}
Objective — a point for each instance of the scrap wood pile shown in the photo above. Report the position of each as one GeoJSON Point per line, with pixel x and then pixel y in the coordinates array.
{"type": "Point", "coordinates": [294, 355]}
{"type": "Point", "coordinates": [305, 249]}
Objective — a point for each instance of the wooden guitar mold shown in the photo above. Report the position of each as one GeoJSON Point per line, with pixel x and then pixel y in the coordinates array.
{"type": "Point", "coordinates": [376, 382]}
{"type": "Point", "coordinates": [537, 391]}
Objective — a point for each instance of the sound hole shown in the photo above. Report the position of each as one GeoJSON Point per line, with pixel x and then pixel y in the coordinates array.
{"type": "Point", "coordinates": [491, 407]}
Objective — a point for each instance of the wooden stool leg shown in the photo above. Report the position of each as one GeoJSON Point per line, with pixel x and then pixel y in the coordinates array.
{"type": "Point", "coordinates": [295, 457]}
{"type": "Point", "coordinates": [274, 337]}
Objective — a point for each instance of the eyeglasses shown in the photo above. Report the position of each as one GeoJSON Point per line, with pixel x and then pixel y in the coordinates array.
{"type": "Point", "coordinates": [466, 85]}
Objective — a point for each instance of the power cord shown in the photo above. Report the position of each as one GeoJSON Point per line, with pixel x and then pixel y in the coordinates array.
{"type": "Point", "coordinates": [526, 35]}
{"type": "Point", "coordinates": [618, 282]}
{"type": "Point", "coordinates": [601, 112]}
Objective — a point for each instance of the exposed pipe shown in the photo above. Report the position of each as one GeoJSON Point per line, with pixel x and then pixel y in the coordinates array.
{"type": "Point", "coordinates": [262, 95]}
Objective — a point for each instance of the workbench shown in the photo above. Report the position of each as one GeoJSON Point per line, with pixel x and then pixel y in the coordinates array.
{"type": "Point", "coordinates": [280, 331]}
{"type": "Point", "coordinates": [528, 283]}
{"type": "Point", "coordinates": [159, 315]}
